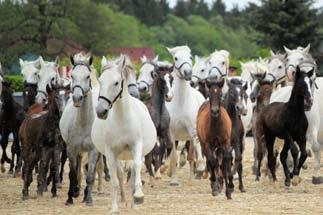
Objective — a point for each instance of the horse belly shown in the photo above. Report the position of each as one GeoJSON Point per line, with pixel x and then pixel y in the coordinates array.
{"type": "Point", "coordinates": [125, 155]}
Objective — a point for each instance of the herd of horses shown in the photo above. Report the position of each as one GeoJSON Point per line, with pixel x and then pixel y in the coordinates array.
{"type": "Point", "coordinates": [120, 122]}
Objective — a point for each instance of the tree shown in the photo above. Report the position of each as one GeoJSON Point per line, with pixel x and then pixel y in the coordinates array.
{"type": "Point", "coordinates": [218, 8]}
{"type": "Point", "coordinates": [286, 23]}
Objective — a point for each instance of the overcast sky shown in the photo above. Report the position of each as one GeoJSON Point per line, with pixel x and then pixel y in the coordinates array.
{"type": "Point", "coordinates": [242, 3]}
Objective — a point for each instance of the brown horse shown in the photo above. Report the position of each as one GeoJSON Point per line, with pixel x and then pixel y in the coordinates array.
{"type": "Point", "coordinates": [41, 141]}
{"type": "Point", "coordinates": [214, 132]}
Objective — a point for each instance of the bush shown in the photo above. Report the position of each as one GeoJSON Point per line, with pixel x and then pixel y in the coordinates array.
{"type": "Point", "coordinates": [17, 82]}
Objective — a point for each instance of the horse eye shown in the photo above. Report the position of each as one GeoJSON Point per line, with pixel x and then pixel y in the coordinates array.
{"type": "Point", "coordinates": [88, 77]}
{"type": "Point", "coordinates": [280, 67]}
{"type": "Point", "coordinates": [191, 57]}
{"type": "Point", "coordinates": [116, 84]}
{"type": "Point", "coordinates": [223, 63]}
{"type": "Point", "coordinates": [302, 59]}
{"type": "Point", "coordinates": [176, 58]}
{"type": "Point", "coordinates": [202, 70]}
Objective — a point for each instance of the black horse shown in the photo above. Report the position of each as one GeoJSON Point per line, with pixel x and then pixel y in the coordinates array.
{"type": "Point", "coordinates": [286, 121]}
{"type": "Point", "coordinates": [11, 117]}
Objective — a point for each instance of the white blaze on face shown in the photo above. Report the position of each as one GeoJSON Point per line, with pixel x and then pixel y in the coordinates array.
{"type": "Point", "coordinates": [170, 93]}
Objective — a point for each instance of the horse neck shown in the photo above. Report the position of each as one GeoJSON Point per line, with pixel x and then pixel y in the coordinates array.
{"type": "Point", "coordinates": [121, 106]}
{"type": "Point", "coordinates": [53, 111]}
{"type": "Point", "coordinates": [158, 94]}
{"type": "Point", "coordinates": [85, 112]}
{"type": "Point", "coordinates": [296, 101]}
{"type": "Point", "coordinates": [181, 90]}
{"type": "Point", "coordinates": [231, 109]}
{"type": "Point", "coordinates": [8, 102]}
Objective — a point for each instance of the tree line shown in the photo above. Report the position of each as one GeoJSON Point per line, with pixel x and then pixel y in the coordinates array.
{"type": "Point", "coordinates": [45, 26]}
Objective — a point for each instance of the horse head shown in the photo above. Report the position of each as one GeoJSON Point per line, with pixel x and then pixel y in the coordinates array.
{"type": "Point", "coordinates": [200, 71]}
{"type": "Point", "coordinates": [215, 93]}
{"type": "Point", "coordinates": [237, 95]}
{"type": "Point", "coordinates": [218, 65]}
{"type": "Point", "coordinates": [80, 77]}
{"type": "Point", "coordinates": [113, 85]}
{"type": "Point", "coordinates": [182, 61]}
{"type": "Point", "coordinates": [48, 76]}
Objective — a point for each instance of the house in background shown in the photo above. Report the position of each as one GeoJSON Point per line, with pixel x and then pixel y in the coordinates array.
{"type": "Point", "coordinates": [135, 53]}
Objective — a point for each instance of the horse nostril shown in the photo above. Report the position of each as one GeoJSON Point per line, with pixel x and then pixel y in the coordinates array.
{"type": "Point", "coordinates": [144, 88]}
{"type": "Point", "coordinates": [105, 112]}
{"type": "Point", "coordinates": [192, 84]}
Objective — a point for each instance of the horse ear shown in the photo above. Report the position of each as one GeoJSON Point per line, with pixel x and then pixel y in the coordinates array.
{"type": "Point", "coordinates": [298, 73]}
{"type": "Point", "coordinates": [221, 84]}
{"type": "Point", "coordinates": [225, 53]}
{"type": "Point", "coordinates": [272, 53]}
{"type": "Point", "coordinates": [264, 76]}
{"type": "Point", "coordinates": [21, 62]}
{"type": "Point", "coordinates": [171, 51]}
{"type": "Point", "coordinates": [143, 59]}
{"type": "Point", "coordinates": [245, 86]}
{"type": "Point", "coordinates": [57, 60]}
{"type": "Point", "coordinates": [72, 60]}
{"type": "Point", "coordinates": [156, 58]}
{"type": "Point", "coordinates": [288, 51]}
{"type": "Point", "coordinates": [310, 73]}
{"type": "Point", "coordinates": [90, 60]}
{"type": "Point", "coordinates": [104, 61]}
{"type": "Point", "coordinates": [307, 49]}
{"type": "Point", "coordinates": [196, 58]}
{"type": "Point", "coordinates": [41, 61]}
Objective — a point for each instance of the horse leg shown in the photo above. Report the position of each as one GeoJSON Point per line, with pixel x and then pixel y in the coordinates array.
{"type": "Point", "coordinates": [120, 179]}
{"type": "Point", "coordinates": [55, 170]}
{"type": "Point", "coordinates": [182, 157]}
{"type": "Point", "coordinates": [200, 164]}
{"type": "Point", "coordinates": [99, 170]}
{"type": "Point", "coordinates": [74, 190]}
{"type": "Point", "coordinates": [227, 173]}
{"type": "Point", "coordinates": [260, 155]}
{"type": "Point", "coordinates": [28, 178]}
{"type": "Point", "coordinates": [4, 144]}
{"type": "Point", "coordinates": [63, 161]}
{"type": "Point", "coordinates": [92, 161]}
{"type": "Point", "coordinates": [302, 159]}
{"type": "Point", "coordinates": [294, 151]}
{"type": "Point", "coordinates": [18, 153]}
{"type": "Point", "coordinates": [316, 179]}
{"type": "Point", "coordinates": [112, 164]}
{"type": "Point", "coordinates": [148, 163]}
{"type": "Point", "coordinates": [43, 169]}
{"type": "Point", "coordinates": [270, 140]}
{"type": "Point", "coordinates": [106, 169]}
{"type": "Point", "coordinates": [137, 156]}
{"type": "Point", "coordinates": [283, 160]}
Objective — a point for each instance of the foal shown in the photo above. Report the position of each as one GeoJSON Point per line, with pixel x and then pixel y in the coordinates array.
{"type": "Point", "coordinates": [11, 116]}
{"type": "Point", "coordinates": [235, 104]}
{"type": "Point", "coordinates": [214, 132]}
{"type": "Point", "coordinates": [41, 141]}
{"type": "Point", "coordinates": [161, 92]}
{"type": "Point", "coordinates": [286, 121]}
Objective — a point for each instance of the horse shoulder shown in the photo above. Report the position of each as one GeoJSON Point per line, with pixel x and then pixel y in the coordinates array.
{"type": "Point", "coordinates": [203, 118]}
{"type": "Point", "coordinates": [281, 95]}
{"type": "Point", "coordinates": [227, 123]}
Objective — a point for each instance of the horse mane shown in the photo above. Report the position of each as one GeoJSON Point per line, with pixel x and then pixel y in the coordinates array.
{"type": "Point", "coordinates": [279, 56]}
{"type": "Point", "coordinates": [180, 48]}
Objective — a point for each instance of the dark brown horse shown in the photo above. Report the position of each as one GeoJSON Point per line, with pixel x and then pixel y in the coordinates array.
{"type": "Point", "coordinates": [235, 102]}
{"type": "Point", "coordinates": [11, 116]}
{"type": "Point", "coordinates": [286, 121]}
{"type": "Point", "coordinates": [214, 132]}
{"type": "Point", "coordinates": [161, 92]}
{"type": "Point", "coordinates": [41, 141]}
{"type": "Point", "coordinates": [29, 94]}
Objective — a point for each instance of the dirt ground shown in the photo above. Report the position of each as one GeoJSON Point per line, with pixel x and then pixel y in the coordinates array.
{"type": "Point", "coordinates": [190, 197]}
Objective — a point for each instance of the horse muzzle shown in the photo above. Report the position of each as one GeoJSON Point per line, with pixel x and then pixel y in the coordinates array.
{"type": "Point", "coordinates": [308, 102]}
{"type": "Point", "coordinates": [142, 87]}
{"type": "Point", "coordinates": [169, 97]}
{"type": "Point", "coordinates": [215, 113]}
{"type": "Point", "coordinates": [290, 74]}
{"type": "Point", "coordinates": [101, 111]}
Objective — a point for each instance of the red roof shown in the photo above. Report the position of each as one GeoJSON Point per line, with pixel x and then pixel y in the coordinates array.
{"type": "Point", "coordinates": [135, 53]}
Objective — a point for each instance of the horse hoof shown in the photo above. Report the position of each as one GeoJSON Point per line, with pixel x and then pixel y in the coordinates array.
{"type": "Point", "coordinates": [69, 202]}
{"type": "Point", "coordinates": [317, 180]}
{"type": "Point", "coordinates": [107, 178]}
{"type": "Point", "coordinates": [10, 172]}
{"type": "Point", "coordinates": [215, 193]}
{"type": "Point", "coordinates": [295, 180]}
{"type": "Point", "coordinates": [242, 190]}
{"type": "Point", "coordinates": [287, 183]}
{"type": "Point", "coordinates": [54, 196]}
{"type": "Point", "coordinates": [254, 170]}
{"type": "Point", "coordinates": [199, 174]}
{"type": "Point", "coordinates": [138, 200]}
{"type": "Point", "coordinates": [229, 197]}
{"type": "Point", "coordinates": [25, 197]}
{"type": "Point", "coordinates": [3, 169]}
{"type": "Point", "coordinates": [174, 183]}
{"type": "Point", "coordinates": [76, 193]}
{"type": "Point", "coordinates": [114, 211]}
{"type": "Point", "coordinates": [182, 160]}
{"type": "Point", "coordinates": [59, 185]}
{"type": "Point", "coordinates": [89, 203]}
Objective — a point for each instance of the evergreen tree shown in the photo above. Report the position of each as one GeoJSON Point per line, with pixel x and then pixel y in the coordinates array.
{"type": "Point", "coordinates": [286, 23]}
{"type": "Point", "coordinates": [218, 8]}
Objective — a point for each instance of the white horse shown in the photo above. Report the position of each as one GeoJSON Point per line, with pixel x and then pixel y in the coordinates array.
{"type": "Point", "coordinates": [296, 58]}
{"type": "Point", "coordinates": [123, 129]}
{"type": "Point", "coordinates": [29, 70]}
{"type": "Point", "coordinates": [48, 75]}
{"type": "Point", "coordinates": [184, 107]}
{"type": "Point", "coordinates": [199, 70]}
{"type": "Point", "coordinates": [76, 125]}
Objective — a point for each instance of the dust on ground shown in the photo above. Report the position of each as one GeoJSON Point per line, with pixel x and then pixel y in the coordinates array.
{"type": "Point", "coordinates": [190, 197]}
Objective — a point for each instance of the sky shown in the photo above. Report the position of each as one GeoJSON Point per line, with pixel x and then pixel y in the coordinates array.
{"type": "Point", "coordinates": [242, 3]}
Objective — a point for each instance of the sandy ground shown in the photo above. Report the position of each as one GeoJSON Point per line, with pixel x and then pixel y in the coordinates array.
{"type": "Point", "coordinates": [190, 197]}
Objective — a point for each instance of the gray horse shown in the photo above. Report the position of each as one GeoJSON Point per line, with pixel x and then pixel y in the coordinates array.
{"type": "Point", "coordinates": [76, 124]}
